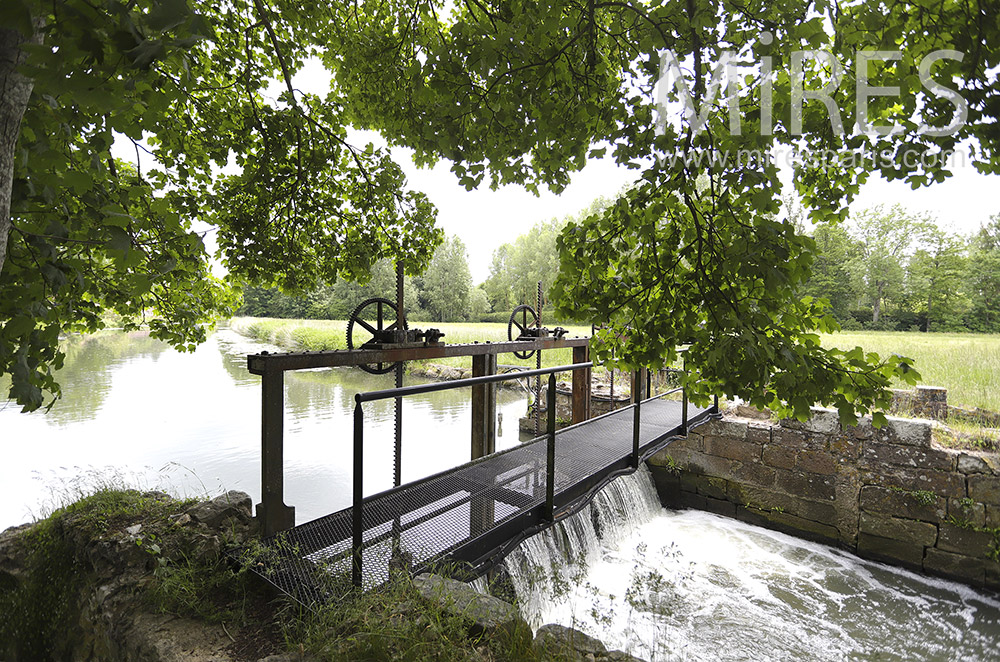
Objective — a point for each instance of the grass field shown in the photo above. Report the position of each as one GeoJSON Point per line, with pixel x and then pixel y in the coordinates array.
{"type": "Point", "coordinates": [967, 364]}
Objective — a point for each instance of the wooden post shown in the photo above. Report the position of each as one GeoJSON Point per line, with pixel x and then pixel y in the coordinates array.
{"type": "Point", "coordinates": [484, 408]}
{"type": "Point", "coordinates": [274, 515]}
{"type": "Point", "coordinates": [482, 511]}
{"type": "Point", "coordinates": [581, 385]}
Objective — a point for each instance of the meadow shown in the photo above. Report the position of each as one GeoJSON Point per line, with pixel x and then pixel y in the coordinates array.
{"type": "Point", "coordinates": [967, 364]}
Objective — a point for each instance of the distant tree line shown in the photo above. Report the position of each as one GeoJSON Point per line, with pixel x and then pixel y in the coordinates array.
{"type": "Point", "coordinates": [889, 269]}
{"type": "Point", "coordinates": [443, 293]}
{"type": "Point", "coordinates": [885, 269]}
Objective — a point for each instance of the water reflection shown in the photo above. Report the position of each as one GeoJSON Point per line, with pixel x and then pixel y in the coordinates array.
{"type": "Point", "coordinates": [137, 410]}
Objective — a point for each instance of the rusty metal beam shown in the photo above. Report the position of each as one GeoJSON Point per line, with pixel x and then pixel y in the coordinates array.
{"type": "Point", "coordinates": [258, 364]}
{"type": "Point", "coordinates": [581, 385]}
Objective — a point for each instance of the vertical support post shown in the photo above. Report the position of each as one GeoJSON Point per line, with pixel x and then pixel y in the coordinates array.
{"type": "Point", "coordinates": [397, 448]}
{"type": "Point", "coordinates": [581, 385]}
{"type": "Point", "coordinates": [715, 404]}
{"type": "Point", "coordinates": [636, 416]}
{"type": "Point", "coordinates": [649, 383]}
{"type": "Point", "coordinates": [550, 452]}
{"type": "Point", "coordinates": [482, 511]}
{"type": "Point", "coordinates": [274, 515]}
{"type": "Point", "coordinates": [638, 385]}
{"type": "Point", "coordinates": [684, 403]}
{"type": "Point", "coordinates": [538, 366]}
{"type": "Point", "coordinates": [484, 408]}
{"type": "Point", "coordinates": [357, 511]}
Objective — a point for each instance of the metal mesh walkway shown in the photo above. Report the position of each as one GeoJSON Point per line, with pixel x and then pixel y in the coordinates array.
{"type": "Point", "coordinates": [473, 514]}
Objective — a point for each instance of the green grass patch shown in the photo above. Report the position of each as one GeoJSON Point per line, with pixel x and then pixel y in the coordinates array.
{"type": "Point", "coordinates": [967, 364]}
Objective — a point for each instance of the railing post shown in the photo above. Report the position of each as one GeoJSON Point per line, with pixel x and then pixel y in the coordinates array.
{"type": "Point", "coordinates": [550, 451]}
{"type": "Point", "coordinates": [635, 433]}
{"type": "Point", "coordinates": [684, 402]}
{"type": "Point", "coordinates": [358, 507]}
{"type": "Point", "coordinates": [715, 404]}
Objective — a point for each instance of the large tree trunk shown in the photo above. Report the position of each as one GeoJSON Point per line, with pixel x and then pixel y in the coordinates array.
{"type": "Point", "coordinates": [15, 90]}
{"type": "Point", "coordinates": [877, 306]}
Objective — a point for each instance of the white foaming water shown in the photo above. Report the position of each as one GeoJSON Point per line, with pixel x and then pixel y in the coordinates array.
{"type": "Point", "coordinates": [690, 585]}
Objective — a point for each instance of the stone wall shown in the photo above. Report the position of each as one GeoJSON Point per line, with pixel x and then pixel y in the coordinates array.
{"type": "Point", "coordinates": [889, 494]}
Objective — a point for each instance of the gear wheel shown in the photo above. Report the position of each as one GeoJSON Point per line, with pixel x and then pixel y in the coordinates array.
{"type": "Point", "coordinates": [378, 310]}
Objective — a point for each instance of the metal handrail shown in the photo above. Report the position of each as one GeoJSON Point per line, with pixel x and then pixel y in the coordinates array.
{"type": "Point", "coordinates": [357, 514]}
{"type": "Point", "coordinates": [548, 512]}
{"type": "Point", "coordinates": [404, 391]}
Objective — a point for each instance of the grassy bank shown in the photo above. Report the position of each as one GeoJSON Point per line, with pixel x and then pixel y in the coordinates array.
{"type": "Point", "coordinates": [967, 364]}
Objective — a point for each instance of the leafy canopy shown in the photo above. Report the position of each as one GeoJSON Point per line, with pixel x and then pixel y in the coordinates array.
{"type": "Point", "coordinates": [290, 200]}
{"type": "Point", "coordinates": [695, 253]}
{"type": "Point", "coordinates": [510, 91]}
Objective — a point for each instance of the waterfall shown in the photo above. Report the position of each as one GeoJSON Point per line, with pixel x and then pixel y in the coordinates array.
{"type": "Point", "coordinates": [548, 565]}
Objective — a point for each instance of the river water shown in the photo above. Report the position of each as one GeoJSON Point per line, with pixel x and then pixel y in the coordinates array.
{"type": "Point", "coordinates": [661, 584]}
{"type": "Point", "coordinates": [688, 585]}
{"type": "Point", "coordinates": [137, 412]}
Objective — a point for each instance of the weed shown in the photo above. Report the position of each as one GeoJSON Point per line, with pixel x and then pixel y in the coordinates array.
{"type": "Point", "coordinates": [923, 497]}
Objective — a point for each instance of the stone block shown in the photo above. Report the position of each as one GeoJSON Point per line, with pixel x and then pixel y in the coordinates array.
{"type": "Point", "coordinates": [673, 455]}
{"type": "Point", "coordinates": [790, 524]}
{"type": "Point", "coordinates": [955, 566]}
{"type": "Point", "coordinates": [485, 614]}
{"type": "Point", "coordinates": [992, 516]}
{"type": "Point", "coordinates": [967, 510]}
{"type": "Point", "coordinates": [862, 430]}
{"type": "Point", "coordinates": [713, 487]}
{"type": "Point", "coordinates": [961, 540]}
{"type": "Point", "coordinates": [913, 457]}
{"type": "Point", "coordinates": [974, 463]}
{"type": "Point", "coordinates": [941, 483]}
{"type": "Point", "coordinates": [817, 462]}
{"type": "Point", "coordinates": [910, 555]}
{"type": "Point", "coordinates": [846, 447]}
{"type": "Point", "coordinates": [985, 488]}
{"type": "Point", "coordinates": [732, 429]}
{"type": "Point", "coordinates": [788, 437]}
{"type": "Point", "coordinates": [782, 457]}
{"type": "Point", "coordinates": [710, 465]}
{"type": "Point", "coordinates": [896, 503]}
{"type": "Point", "coordinates": [559, 642]}
{"type": "Point", "coordinates": [698, 502]}
{"type": "Point", "coordinates": [810, 486]}
{"type": "Point", "coordinates": [905, 431]}
{"type": "Point", "coordinates": [904, 530]}
{"type": "Point", "coordinates": [744, 451]}
{"type": "Point", "coordinates": [759, 433]}
{"type": "Point", "coordinates": [752, 473]}
{"type": "Point", "coordinates": [823, 421]}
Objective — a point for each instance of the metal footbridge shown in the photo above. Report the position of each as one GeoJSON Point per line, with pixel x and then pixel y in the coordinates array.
{"type": "Point", "coordinates": [468, 517]}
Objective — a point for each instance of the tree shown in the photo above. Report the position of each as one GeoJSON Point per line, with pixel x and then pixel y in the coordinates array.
{"type": "Point", "coordinates": [983, 278]}
{"type": "Point", "coordinates": [447, 282]}
{"type": "Point", "coordinates": [82, 233]}
{"type": "Point", "coordinates": [886, 239]}
{"type": "Point", "coordinates": [523, 93]}
{"type": "Point", "coordinates": [479, 303]}
{"type": "Point", "coordinates": [936, 274]}
{"type": "Point", "coordinates": [831, 273]}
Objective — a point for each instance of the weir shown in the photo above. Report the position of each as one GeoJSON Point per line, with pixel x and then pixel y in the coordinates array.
{"type": "Point", "coordinates": [470, 516]}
